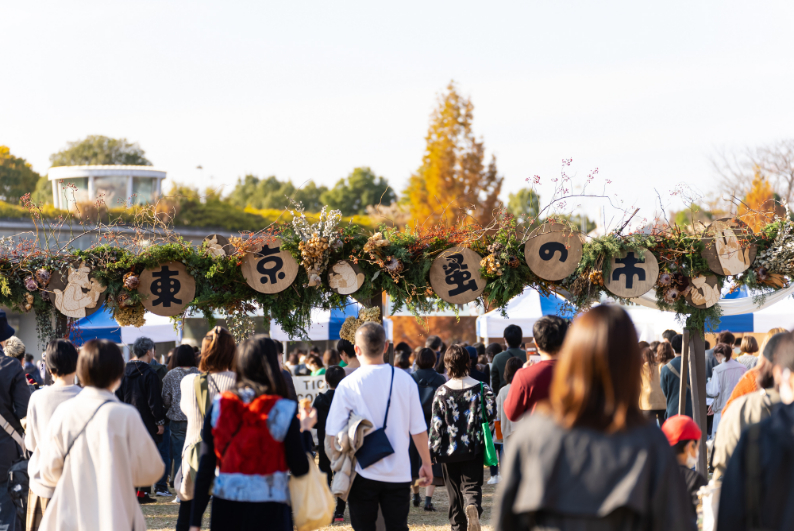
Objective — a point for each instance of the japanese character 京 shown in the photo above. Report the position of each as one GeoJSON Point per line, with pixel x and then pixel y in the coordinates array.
{"type": "Point", "coordinates": [273, 273]}
{"type": "Point", "coordinates": [456, 274]}
{"type": "Point", "coordinates": [166, 287]}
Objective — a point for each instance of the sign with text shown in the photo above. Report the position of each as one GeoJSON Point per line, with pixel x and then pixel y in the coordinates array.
{"type": "Point", "coordinates": [167, 289]}
{"type": "Point", "coordinates": [309, 386]}
{"type": "Point", "coordinates": [270, 270]}
{"type": "Point", "coordinates": [455, 275]}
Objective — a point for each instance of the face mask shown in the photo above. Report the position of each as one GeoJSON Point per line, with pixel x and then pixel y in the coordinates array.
{"type": "Point", "coordinates": [786, 393]}
{"type": "Point", "coordinates": [692, 460]}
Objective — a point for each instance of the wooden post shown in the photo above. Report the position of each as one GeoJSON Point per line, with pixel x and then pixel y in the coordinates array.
{"type": "Point", "coordinates": [378, 301]}
{"type": "Point", "coordinates": [682, 388]}
{"type": "Point", "coordinates": [697, 365]}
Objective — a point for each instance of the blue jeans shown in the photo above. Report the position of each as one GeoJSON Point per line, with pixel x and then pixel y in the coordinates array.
{"type": "Point", "coordinates": [8, 511]}
{"type": "Point", "coordinates": [178, 434]}
{"type": "Point", "coordinates": [165, 453]}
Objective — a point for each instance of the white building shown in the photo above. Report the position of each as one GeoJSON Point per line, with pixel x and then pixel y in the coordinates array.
{"type": "Point", "coordinates": [114, 184]}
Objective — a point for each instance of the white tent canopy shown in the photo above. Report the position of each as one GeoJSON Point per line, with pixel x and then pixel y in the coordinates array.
{"type": "Point", "coordinates": [523, 310]}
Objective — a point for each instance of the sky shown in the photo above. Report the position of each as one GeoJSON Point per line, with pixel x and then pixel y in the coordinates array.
{"type": "Point", "coordinates": [645, 92]}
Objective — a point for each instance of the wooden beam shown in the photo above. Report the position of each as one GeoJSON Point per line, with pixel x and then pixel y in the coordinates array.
{"type": "Point", "coordinates": [697, 365]}
{"type": "Point", "coordinates": [682, 388]}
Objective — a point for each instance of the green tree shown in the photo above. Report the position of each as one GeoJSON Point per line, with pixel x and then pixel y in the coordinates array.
{"type": "Point", "coordinates": [453, 177]}
{"type": "Point", "coordinates": [43, 192]}
{"type": "Point", "coordinates": [272, 193]}
{"type": "Point", "coordinates": [524, 204]}
{"type": "Point", "coordinates": [17, 177]}
{"type": "Point", "coordinates": [98, 149]}
{"type": "Point", "coordinates": [359, 190]}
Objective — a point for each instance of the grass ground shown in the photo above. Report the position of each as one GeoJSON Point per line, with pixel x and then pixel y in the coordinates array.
{"type": "Point", "coordinates": [162, 515]}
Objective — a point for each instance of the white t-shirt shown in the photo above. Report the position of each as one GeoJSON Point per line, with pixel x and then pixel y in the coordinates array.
{"type": "Point", "coordinates": [365, 392]}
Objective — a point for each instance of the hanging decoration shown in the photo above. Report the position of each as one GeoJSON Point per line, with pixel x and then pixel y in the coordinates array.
{"type": "Point", "coordinates": [632, 273]}
{"type": "Point", "coordinates": [345, 277]}
{"type": "Point", "coordinates": [167, 289]}
{"type": "Point", "coordinates": [271, 269]}
{"type": "Point", "coordinates": [727, 246]}
{"type": "Point", "coordinates": [553, 251]}
{"type": "Point", "coordinates": [287, 270]}
{"type": "Point", "coordinates": [75, 290]}
{"type": "Point", "coordinates": [455, 275]}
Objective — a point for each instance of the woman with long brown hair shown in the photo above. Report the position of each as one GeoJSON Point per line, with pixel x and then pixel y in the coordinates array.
{"type": "Point", "coordinates": [591, 460]}
{"type": "Point", "coordinates": [217, 375]}
{"type": "Point", "coordinates": [652, 400]}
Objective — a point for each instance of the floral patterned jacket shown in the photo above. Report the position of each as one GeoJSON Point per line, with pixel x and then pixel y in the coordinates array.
{"type": "Point", "coordinates": [456, 423]}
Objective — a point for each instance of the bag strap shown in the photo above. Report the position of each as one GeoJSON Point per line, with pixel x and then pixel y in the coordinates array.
{"type": "Point", "coordinates": [482, 403]}
{"type": "Point", "coordinates": [9, 429]}
{"type": "Point", "coordinates": [71, 444]}
{"type": "Point", "coordinates": [753, 484]}
{"type": "Point", "coordinates": [388, 402]}
{"type": "Point", "coordinates": [676, 373]}
{"type": "Point", "coordinates": [202, 392]}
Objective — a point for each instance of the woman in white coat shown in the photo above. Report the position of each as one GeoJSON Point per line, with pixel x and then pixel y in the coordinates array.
{"type": "Point", "coordinates": [98, 451]}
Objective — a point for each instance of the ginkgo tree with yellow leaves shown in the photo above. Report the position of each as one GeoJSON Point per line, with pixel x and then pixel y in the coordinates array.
{"type": "Point", "coordinates": [454, 180]}
{"type": "Point", "coordinates": [760, 205]}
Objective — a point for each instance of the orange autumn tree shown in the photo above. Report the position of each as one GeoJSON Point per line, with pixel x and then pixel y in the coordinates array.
{"type": "Point", "coordinates": [453, 180]}
{"type": "Point", "coordinates": [759, 205]}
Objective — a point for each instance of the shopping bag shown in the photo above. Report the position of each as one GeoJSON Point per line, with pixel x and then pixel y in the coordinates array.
{"type": "Point", "coordinates": [490, 458]}
{"type": "Point", "coordinates": [313, 504]}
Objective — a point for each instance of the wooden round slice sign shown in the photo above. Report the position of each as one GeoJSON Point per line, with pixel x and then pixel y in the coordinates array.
{"type": "Point", "coordinates": [218, 245]}
{"type": "Point", "coordinates": [455, 275]}
{"type": "Point", "coordinates": [167, 289]}
{"type": "Point", "coordinates": [704, 293]}
{"type": "Point", "coordinates": [75, 292]}
{"type": "Point", "coordinates": [632, 273]}
{"type": "Point", "coordinates": [553, 251]}
{"type": "Point", "coordinates": [725, 246]}
{"type": "Point", "coordinates": [271, 270]}
{"type": "Point", "coordinates": [345, 277]}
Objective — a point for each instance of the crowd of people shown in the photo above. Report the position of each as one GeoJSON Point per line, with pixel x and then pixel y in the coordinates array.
{"type": "Point", "coordinates": [583, 434]}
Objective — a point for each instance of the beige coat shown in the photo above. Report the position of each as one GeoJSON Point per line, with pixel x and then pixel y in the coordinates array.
{"type": "Point", "coordinates": [744, 411]}
{"type": "Point", "coordinates": [341, 451]}
{"type": "Point", "coordinates": [95, 485]}
{"type": "Point", "coordinates": [651, 394]}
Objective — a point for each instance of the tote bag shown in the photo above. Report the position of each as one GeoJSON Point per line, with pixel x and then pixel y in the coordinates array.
{"type": "Point", "coordinates": [312, 503]}
{"type": "Point", "coordinates": [490, 458]}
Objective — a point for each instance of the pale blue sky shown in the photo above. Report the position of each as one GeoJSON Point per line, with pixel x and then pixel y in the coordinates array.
{"type": "Point", "coordinates": [308, 90]}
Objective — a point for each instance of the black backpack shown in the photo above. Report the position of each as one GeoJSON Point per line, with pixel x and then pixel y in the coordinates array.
{"type": "Point", "coordinates": [426, 394]}
{"type": "Point", "coordinates": [18, 473]}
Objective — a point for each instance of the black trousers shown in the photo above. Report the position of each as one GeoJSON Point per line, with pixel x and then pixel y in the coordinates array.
{"type": "Point", "coordinates": [464, 487]}
{"type": "Point", "coordinates": [367, 495]}
{"type": "Point", "coordinates": [183, 519]}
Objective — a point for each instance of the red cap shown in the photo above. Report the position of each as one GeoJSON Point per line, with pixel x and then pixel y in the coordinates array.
{"type": "Point", "coordinates": [681, 428]}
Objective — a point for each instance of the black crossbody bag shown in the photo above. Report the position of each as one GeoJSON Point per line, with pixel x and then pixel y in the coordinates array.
{"type": "Point", "coordinates": [376, 445]}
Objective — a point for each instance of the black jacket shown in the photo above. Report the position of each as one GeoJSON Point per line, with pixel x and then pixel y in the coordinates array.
{"type": "Point", "coordinates": [428, 381]}
{"type": "Point", "coordinates": [323, 405]}
{"type": "Point", "coordinates": [14, 397]}
{"type": "Point", "coordinates": [498, 367]}
{"type": "Point", "coordinates": [775, 485]}
{"type": "Point", "coordinates": [141, 388]}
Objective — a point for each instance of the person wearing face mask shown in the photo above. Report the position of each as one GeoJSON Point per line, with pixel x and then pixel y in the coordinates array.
{"type": "Point", "coordinates": [724, 378]}
{"type": "Point", "coordinates": [683, 434]}
{"type": "Point", "coordinates": [93, 455]}
{"type": "Point", "coordinates": [758, 486]}
{"type": "Point", "coordinates": [748, 409]}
